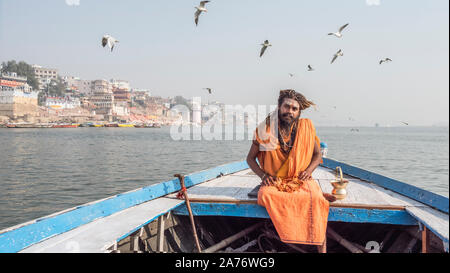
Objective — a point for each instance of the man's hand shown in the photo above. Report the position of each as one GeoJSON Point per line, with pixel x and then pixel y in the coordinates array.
{"type": "Point", "coordinates": [305, 175]}
{"type": "Point", "coordinates": [268, 180]}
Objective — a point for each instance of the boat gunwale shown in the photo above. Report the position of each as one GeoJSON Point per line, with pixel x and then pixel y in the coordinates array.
{"type": "Point", "coordinates": [423, 196]}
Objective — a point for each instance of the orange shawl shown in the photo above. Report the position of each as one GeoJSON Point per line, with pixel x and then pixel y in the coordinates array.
{"type": "Point", "coordinates": [297, 208]}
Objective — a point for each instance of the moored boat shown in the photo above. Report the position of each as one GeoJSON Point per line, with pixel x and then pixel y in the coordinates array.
{"type": "Point", "coordinates": [126, 125]}
{"type": "Point", "coordinates": [21, 125]}
{"type": "Point", "coordinates": [44, 125]}
{"type": "Point", "coordinates": [111, 125]}
{"type": "Point", "coordinates": [378, 214]}
{"type": "Point", "coordinates": [65, 125]}
{"type": "Point", "coordinates": [86, 124]}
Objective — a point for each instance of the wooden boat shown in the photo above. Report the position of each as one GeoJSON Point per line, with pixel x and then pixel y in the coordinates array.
{"type": "Point", "coordinates": [87, 124]}
{"type": "Point", "coordinates": [126, 125]}
{"type": "Point", "coordinates": [65, 125]}
{"type": "Point", "coordinates": [379, 214]}
{"type": "Point", "coordinates": [146, 126]}
{"type": "Point", "coordinates": [111, 125]}
{"type": "Point", "coordinates": [21, 125]}
{"type": "Point", "coordinates": [97, 125]}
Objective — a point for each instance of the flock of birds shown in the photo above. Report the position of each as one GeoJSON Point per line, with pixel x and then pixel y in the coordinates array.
{"type": "Point", "coordinates": [108, 40]}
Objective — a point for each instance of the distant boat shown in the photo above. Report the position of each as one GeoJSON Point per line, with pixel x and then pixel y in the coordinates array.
{"type": "Point", "coordinates": [86, 124]}
{"type": "Point", "coordinates": [21, 125]}
{"type": "Point", "coordinates": [147, 125]}
{"type": "Point", "coordinates": [44, 125]}
{"type": "Point", "coordinates": [97, 125]}
{"type": "Point", "coordinates": [125, 125]}
{"type": "Point", "coordinates": [65, 125]}
{"type": "Point", "coordinates": [112, 125]}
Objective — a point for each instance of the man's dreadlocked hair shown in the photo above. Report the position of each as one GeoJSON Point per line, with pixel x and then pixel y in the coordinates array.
{"type": "Point", "coordinates": [291, 94]}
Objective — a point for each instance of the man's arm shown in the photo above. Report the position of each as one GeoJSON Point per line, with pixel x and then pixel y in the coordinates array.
{"type": "Point", "coordinates": [315, 161]}
{"type": "Point", "coordinates": [251, 161]}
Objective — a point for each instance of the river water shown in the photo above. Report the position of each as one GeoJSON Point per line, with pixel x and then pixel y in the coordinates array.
{"type": "Point", "coordinates": [43, 171]}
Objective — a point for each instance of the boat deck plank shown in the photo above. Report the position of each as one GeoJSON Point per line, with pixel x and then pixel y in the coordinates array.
{"type": "Point", "coordinates": [235, 188]}
{"type": "Point", "coordinates": [361, 194]}
{"type": "Point", "coordinates": [99, 235]}
{"type": "Point", "coordinates": [434, 220]}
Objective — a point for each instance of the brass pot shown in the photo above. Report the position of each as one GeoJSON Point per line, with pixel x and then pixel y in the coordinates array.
{"type": "Point", "coordinates": [339, 185]}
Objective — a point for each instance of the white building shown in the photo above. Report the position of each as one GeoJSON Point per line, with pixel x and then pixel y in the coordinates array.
{"type": "Point", "coordinates": [62, 103]}
{"type": "Point", "coordinates": [120, 84]}
{"type": "Point", "coordinates": [196, 112]}
{"type": "Point", "coordinates": [121, 109]}
{"type": "Point", "coordinates": [44, 75]}
{"type": "Point", "coordinates": [78, 85]}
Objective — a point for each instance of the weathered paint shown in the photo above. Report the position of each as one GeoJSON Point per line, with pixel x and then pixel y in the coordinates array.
{"type": "Point", "coordinates": [22, 237]}
{"type": "Point", "coordinates": [148, 222]}
{"type": "Point", "coordinates": [350, 215]}
{"type": "Point", "coordinates": [432, 229]}
{"type": "Point", "coordinates": [36, 231]}
{"type": "Point", "coordinates": [431, 199]}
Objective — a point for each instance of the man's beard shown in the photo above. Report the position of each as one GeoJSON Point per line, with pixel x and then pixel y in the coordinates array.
{"type": "Point", "coordinates": [285, 121]}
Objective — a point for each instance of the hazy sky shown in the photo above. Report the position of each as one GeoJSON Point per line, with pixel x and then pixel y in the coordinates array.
{"type": "Point", "coordinates": [161, 49]}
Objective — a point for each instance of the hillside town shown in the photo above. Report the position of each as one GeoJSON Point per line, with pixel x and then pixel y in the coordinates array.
{"type": "Point", "coordinates": [97, 102]}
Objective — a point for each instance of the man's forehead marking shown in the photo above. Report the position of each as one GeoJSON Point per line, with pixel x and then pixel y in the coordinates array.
{"type": "Point", "coordinates": [290, 102]}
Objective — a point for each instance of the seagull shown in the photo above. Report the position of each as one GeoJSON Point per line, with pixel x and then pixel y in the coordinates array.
{"type": "Point", "coordinates": [405, 123]}
{"type": "Point", "coordinates": [200, 9]}
{"type": "Point", "coordinates": [310, 68]}
{"type": "Point", "coordinates": [110, 41]}
{"type": "Point", "coordinates": [339, 34]}
{"type": "Point", "coordinates": [264, 47]}
{"type": "Point", "coordinates": [339, 53]}
{"type": "Point", "coordinates": [291, 75]}
{"type": "Point", "coordinates": [209, 90]}
{"type": "Point", "coordinates": [385, 60]}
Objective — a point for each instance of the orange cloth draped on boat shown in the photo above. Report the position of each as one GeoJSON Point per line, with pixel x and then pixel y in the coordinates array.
{"type": "Point", "coordinates": [297, 208]}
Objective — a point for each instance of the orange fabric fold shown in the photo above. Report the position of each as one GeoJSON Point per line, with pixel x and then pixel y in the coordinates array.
{"type": "Point", "coordinates": [297, 208]}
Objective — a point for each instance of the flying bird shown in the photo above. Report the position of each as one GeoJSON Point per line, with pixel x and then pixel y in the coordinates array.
{"type": "Point", "coordinates": [264, 47]}
{"type": "Point", "coordinates": [200, 9]}
{"type": "Point", "coordinates": [209, 90]}
{"type": "Point", "coordinates": [405, 123]}
{"type": "Point", "coordinates": [339, 33]}
{"type": "Point", "coordinates": [310, 68]}
{"type": "Point", "coordinates": [385, 60]}
{"type": "Point", "coordinates": [339, 53]}
{"type": "Point", "coordinates": [109, 41]}
{"type": "Point", "coordinates": [291, 75]}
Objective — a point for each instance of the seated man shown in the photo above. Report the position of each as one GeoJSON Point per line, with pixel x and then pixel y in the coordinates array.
{"type": "Point", "coordinates": [288, 152]}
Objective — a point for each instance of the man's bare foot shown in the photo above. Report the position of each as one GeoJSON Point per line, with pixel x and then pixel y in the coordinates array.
{"type": "Point", "coordinates": [331, 198]}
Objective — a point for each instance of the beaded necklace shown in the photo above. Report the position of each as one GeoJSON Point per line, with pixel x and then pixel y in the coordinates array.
{"type": "Point", "coordinates": [286, 147]}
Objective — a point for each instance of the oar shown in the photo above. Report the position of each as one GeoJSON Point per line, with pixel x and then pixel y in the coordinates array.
{"type": "Point", "coordinates": [188, 205]}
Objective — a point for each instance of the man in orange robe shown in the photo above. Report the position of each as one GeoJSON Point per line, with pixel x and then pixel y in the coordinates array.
{"type": "Point", "coordinates": [288, 151]}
